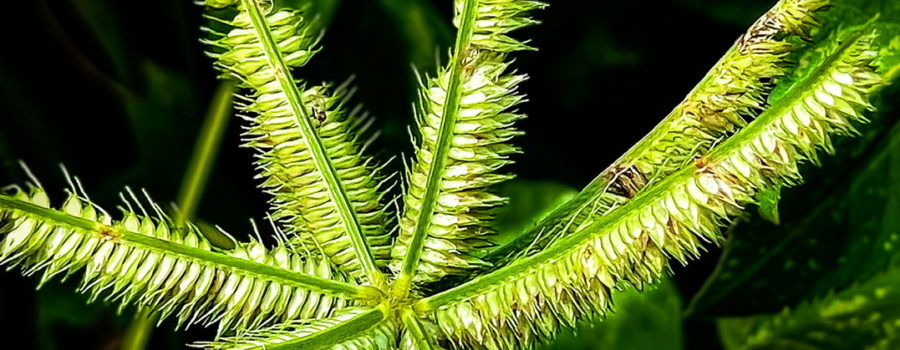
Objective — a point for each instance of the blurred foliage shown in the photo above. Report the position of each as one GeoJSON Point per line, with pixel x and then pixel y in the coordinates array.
{"type": "Point", "coordinates": [117, 91]}
{"type": "Point", "coordinates": [647, 321]}
{"type": "Point", "coordinates": [863, 316]}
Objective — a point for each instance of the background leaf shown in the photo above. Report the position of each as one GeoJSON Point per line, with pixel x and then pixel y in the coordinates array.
{"type": "Point", "coordinates": [648, 321]}
{"type": "Point", "coordinates": [863, 316]}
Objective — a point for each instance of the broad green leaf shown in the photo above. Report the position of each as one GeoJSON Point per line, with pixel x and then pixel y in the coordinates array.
{"type": "Point", "coordinates": [865, 316]}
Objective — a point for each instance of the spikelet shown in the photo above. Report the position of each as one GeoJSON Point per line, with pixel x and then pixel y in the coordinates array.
{"type": "Point", "coordinates": [195, 292]}
{"type": "Point", "coordinates": [732, 93]}
{"type": "Point", "coordinates": [302, 335]}
{"type": "Point", "coordinates": [478, 144]}
{"type": "Point", "coordinates": [235, 45]}
{"type": "Point", "coordinates": [571, 280]}
{"type": "Point", "coordinates": [418, 332]}
{"type": "Point", "coordinates": [298, 195]}
{"type": "Point", "coordinates": [301, 199]}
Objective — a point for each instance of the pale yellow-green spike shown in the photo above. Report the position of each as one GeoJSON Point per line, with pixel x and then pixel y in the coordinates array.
{"type": "Point", "coordinates": [324, 191]}
{"type": "Point", "coordinates": [465, 123]}
{"type": "Point", "coordinates": [149, 276]}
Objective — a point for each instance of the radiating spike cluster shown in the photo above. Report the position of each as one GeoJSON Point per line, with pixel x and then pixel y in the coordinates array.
{"type": "Point", "coordinates": [300, 197]}
{"type": "Point", "coordinates": [195, 292]}
{"type": "Point", "coordinates": [380, 337]}
{"type": "Point", "coordinates": [572, 279]}
{"type": "Point", "coordinates": [667, 198]}
{"type": "Point", "coordinates": [730, 95]}
{"type": "Point", "coordinates": [479, 145]}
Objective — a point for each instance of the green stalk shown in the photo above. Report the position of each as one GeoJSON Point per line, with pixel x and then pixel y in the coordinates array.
{"type": "Point", "coordinates": [438, 163]}
{"type": "Point", "coordinates": [193, 185]}
{"type": "Point", "coordinates": [314, 144]}
{"type": "Point", "coordinates": [415, 21]}
{"type": "Point", "coordinates": [137, 336]}
{"type": "Point", "coordinates": [123, 236]}
{"type": "Point", "coordinates": [415, 331]}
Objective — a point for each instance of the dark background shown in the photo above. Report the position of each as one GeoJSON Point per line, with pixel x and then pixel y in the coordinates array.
{"type": "Point", "coordinates": [117, 90]}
